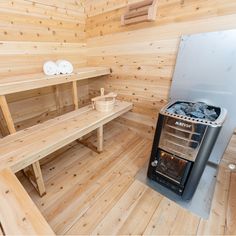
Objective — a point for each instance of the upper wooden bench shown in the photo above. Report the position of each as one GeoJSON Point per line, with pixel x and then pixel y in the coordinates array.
{"type": "Point", "coordinates": [33, 81]}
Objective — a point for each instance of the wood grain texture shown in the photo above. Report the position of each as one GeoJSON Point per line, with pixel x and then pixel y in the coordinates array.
{"type": "Point", "coordinates": [142, 56]}
{"type": "Point", "coordinates": [32, 21]}
{"type": "Point", "coordinates": [18, 213]}
{"type": "Point", "coordinates": [36, 171]}
{"type": "Point", "coordinates": [33, 32]}
{"type": "Point", "coordinates": [30, 145]}
{"type": "Point", "coordinates": [7, 114]}
{"type": "Point", "coordinates": [140, 12]}
{"type": "Point", "coordinates": [39, 80]}
{"type": "Point", "coordinates": [230, 228]}
{"type": "Point", "coordinates": [230, 152]}
{"type": "Point", "coordinates": [104, 197]}
{"type": "Point", "coordinates": [219, 207]}
{"type": "Point", "coordinates": [100, 139]}
{"type": "Point", "coordinates": [75, 94]}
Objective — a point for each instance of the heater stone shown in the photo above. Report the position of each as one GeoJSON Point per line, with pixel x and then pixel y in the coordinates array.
{"type": "Point", "coordinates": [194, 110]}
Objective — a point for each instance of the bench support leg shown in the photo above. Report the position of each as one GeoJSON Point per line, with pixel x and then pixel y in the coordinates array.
{"type": "Point", "coordinates": [7, 114]}
{"type": "Point", "coordinates": [57, 99]}
{"type": "Point", "coordinates": [34, 174]}
{"type": "Point", "coordinates": [99, 147]}
{"type": "Point", "coordinates": [39, 178]}
{"type": "Point", "coordinates": [11, 127]}
{"type": "Point", "coordinates": [75, 94]}
{"type": "Point", "coordinates": [100, 138]}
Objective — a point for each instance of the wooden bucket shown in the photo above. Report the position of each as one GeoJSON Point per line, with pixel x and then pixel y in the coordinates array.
{"type": "Point", "coordinates": [104, 103]}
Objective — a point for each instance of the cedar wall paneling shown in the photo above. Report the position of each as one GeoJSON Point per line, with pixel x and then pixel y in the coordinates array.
{"type": "Point", "coordinates": [31, 32]}
{"type": "Point", "coordinates": [142, 56]}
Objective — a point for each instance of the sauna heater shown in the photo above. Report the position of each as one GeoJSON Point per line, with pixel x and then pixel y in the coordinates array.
{"type": "Point", "coordinates": [185, 135]}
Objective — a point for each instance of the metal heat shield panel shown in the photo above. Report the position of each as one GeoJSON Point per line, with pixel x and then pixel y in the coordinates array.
{"type": "Point", "coordinates": [206, 71]}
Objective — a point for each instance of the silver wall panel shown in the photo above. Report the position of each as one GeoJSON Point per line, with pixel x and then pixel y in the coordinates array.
{"type": "Point", "coordinates": [206, 71]}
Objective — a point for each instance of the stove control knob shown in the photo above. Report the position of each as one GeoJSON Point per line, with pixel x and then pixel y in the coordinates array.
{"type": "Point", "coordinates": [154, 163]}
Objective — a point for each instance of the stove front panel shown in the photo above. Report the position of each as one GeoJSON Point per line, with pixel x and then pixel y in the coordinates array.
{"type": "Point", "coordinates": [172, 167]}
{"type": "Point", "coordinates": [170, 170]}
{"type": "Point", "coordinates": [181, 138]}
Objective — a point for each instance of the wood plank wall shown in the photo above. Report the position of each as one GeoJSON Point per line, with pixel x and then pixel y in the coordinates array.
{"type": "Point", "coordinates": [31, 32]}
{"type": "Point", "coordinates": [142, 56]}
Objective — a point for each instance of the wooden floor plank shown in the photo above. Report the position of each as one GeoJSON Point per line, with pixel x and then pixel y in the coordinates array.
{"type": "Point", "coordinates": [215, 225]}
{"type": "Point", "coordinates": [163, 218]}
{"type": "Point", "coordinates": [186, 223]}
{"type": "Point", "coordinates": [58, 165]}
{"type": "Point", "coordinates": [98, 210]}
{"type": "Point", "coordinates": [68, 197]}
{"type": "Point", "coordinates": [105, 198]}
{"type": "Point", "coordinates": [231, 207]}
{"type": "Point", "coordinates": [133, 156]}
{"type": "Point", "coordinates": [140, 216]}
{"type": "Point", "coordinates": [55, 165]}
{"type": "Point", "coordinates": [120, 212]}
{"type": "Point", "coordinates": [81, 172]}
{"type": "Point", "coordinates": [94, 187]}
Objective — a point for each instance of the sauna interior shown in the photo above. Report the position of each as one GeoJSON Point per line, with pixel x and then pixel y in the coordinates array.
{"type": "Point", "coordinates": [73, 144]}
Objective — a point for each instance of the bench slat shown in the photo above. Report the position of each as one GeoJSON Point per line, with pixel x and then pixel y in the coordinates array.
{"type": "Point", "coordinates": [33, 81]}
{"type": "Point", "coordinates": [41, 140]}
{"type": "Point", "coordinates": [18, 213]}
{"type": "Point", "coordinates": [18, 136]}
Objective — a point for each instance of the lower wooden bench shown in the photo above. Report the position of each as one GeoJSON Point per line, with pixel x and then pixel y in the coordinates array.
{"type": "Point", "coordinates": [23, 148]}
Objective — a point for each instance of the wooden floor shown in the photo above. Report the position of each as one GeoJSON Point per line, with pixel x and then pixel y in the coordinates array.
{"type": "Point", "coordinates": [90, 193]}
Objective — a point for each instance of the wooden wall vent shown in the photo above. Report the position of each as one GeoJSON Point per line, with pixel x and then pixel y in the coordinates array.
{"type": "Point", "coordinates": [140, 12]}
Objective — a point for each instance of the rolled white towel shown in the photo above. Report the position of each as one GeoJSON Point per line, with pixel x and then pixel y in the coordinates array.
{"type": "Point", "coordinates": [64, 66]}
{"type": "Point", "coordinates": [50, 68]}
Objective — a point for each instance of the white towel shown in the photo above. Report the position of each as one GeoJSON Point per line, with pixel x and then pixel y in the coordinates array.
{"type": "Point", "coordinates": [65, 67]}
{"type": "Point", "coordinates": [50, 68]}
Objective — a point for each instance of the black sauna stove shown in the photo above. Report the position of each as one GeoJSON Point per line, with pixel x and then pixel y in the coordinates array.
{"type": "Point", "coordinates": [184, 138]}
